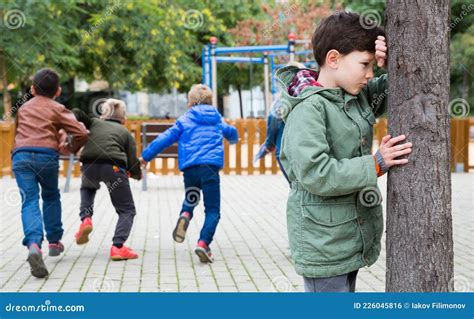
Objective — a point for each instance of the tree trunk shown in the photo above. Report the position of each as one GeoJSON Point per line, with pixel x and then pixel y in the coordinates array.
{"type": "Point", "coordinates": [419, 223]}
{"type": "Point", "coordinates": [7, 99]}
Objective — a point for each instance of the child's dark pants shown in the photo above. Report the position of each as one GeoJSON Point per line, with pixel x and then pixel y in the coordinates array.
{"type": "Point", "coordinates": [118, 185]}
{"type": "Point", "coordinates": [343, 283]}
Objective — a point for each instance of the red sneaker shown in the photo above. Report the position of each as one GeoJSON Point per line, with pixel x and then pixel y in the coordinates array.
{"type": "Point", "coordinates": [82, 236]}
{"type": "Point", "coordinates": [123, 253]}
{"type": "Point", "coordinates": [204, 252]}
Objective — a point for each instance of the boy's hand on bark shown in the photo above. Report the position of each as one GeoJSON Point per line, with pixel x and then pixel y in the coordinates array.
{"type": "Point", "coordinates": [380, 51]}
{"type": "Point", "coordinates": [390, 151]}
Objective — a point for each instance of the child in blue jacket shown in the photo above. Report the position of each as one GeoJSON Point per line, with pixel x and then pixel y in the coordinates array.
{"type": "Point", "coordinates": [199, 133]}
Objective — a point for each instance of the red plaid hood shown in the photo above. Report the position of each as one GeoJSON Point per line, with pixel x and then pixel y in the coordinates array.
{"type": "Point", "coordinates": [303, 79]}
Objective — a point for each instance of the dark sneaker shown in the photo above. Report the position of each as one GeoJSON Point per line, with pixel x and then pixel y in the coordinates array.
{"type": "Point", "coordinates": [204, 252]}
{"type": "Point", "coordinates": [35, 259]}
{"type": "Point", "coordinates": [179, 232]}
{"type": "Point", "coordinates": [55, 249]}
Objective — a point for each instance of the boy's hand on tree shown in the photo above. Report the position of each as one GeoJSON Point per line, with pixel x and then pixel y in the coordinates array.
{"type": "Point", "coordinates": [380, 51]}
{"type": "Point", "coordinates": [389, 150]}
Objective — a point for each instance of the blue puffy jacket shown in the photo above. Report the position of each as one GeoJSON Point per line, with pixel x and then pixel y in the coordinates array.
{"type": "Point", "coordinates": [199, 133]}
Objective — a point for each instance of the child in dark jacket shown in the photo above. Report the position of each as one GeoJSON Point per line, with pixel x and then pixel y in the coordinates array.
{"type": "Point", "coordinates": [199, 133]}
{"type": "Point", "coordinates": [109, 157]}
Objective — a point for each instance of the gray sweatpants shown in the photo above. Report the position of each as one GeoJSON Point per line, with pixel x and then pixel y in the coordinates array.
{"type": "Point", "coordinates": [342, 283]}
{"type": "Point", "coordinates": [118, 185]}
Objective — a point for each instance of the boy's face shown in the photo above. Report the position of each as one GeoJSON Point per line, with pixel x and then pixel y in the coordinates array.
{"type": "Point", "coordinates": [355, 70]}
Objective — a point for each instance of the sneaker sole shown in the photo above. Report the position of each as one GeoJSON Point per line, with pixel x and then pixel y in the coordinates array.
{"type": "Point", "coordinates": [38, 268]}
{"type": "Point", "coordinates": [84, 238]}
{"type": "Point", "coordinates": [179, 232]}
{"type": "Point", "coordinates": [203, 256]}
{"type": "Point", "coordinates": [116, 258]}
{"type": "Point", "coordinates": [55, 252]}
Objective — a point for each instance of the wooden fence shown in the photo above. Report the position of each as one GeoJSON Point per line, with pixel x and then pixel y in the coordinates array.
{"type": "Point", "coordinates": [238, 158]}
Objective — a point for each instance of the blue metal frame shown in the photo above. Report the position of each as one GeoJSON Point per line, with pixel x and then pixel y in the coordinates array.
{"type": "Point", "coordinates": [276, 50]}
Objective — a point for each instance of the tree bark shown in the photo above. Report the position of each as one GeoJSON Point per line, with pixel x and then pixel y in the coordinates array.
{"type": "Point", "coordinates": [7, 100]}
{"type": "Point", "coordinates": [419, 222]}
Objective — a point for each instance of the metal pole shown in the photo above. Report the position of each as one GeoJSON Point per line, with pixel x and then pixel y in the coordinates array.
{"type": "Point", "coordinates": [291, 46]}
{"type": "Point", "coordinates": [144, 170]}
{"type": "Point", "coordinates": [266, 77]}
{"type": "Point", "coordinates": [214, 70]}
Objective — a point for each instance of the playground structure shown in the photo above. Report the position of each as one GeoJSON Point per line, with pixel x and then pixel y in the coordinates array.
{"type": "Point", "coordinates": [212, 55]}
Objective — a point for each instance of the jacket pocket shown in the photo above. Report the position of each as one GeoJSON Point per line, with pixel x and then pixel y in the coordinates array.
{"type": "Point", "coordinates": [330, 233]}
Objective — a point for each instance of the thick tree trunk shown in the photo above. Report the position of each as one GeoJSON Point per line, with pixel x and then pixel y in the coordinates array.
{"type": "Point", "coordinates": [419, 223]}
{"type": "Point", "coordinates": [7, 100]}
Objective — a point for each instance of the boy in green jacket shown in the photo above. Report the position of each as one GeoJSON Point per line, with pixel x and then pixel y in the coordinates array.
{"type": "Point", "coordinates": [333, 226]}
{"type": "Point", "coordinates": [109, 156]}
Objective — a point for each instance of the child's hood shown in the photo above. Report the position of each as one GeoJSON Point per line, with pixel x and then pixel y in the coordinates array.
{"type": "Point", "coordinates": [285, 76]}
{"type": "Point", "coordinates": [204, 114]}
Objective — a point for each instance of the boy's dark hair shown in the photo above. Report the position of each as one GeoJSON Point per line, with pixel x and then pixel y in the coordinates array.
{"type": "Point", "coordinates": [46, 82]}
{"type": "Point", "coordinates": [345, 32]}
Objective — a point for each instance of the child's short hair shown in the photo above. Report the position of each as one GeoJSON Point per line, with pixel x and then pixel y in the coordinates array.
{"type": "Point", "coordinates": [199, 94]}
{"type": "Point", "coordinates": [113, 109]}
{"type": "Point", "coordinates": [345, 32]}
{"type": "Point", "coordinates": [46, 82]}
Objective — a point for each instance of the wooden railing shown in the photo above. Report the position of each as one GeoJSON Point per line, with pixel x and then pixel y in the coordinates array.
{"type": "Point", "coordinates": [238, 158]}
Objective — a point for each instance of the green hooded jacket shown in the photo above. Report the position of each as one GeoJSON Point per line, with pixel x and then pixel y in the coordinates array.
{"type": "Point", "coordinates": [334, 216]}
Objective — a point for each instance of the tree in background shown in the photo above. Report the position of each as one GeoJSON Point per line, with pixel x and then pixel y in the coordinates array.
{"type": "Point", "coordinates": [134, 45]}
{"type": "Point", "coordinates": [33, 35]}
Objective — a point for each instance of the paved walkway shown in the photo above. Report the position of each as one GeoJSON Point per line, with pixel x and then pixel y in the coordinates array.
{"type": "Point", "coordinates": [251, 246]}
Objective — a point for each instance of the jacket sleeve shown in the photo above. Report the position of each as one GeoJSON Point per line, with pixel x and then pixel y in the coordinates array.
{"type": "Point", "coordinates": [68, 122]}
{"type": "Point", "coordinates": [230, 133]}
{"type": "Point", "coordinates": [377, 93]}
{"type": "Point", "coordinates": [81, 116]}
{"type": "Point", "coordinates": [132, 160]}
{"type": "Point", "coordinates": [168, 138]}
{"type": "Point", "coordinates": [307, 151]}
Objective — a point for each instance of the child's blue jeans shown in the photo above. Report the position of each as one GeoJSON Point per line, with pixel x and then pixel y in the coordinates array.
{"type": "Point", "coordinates": [205, 178]}
{"type": "Point", "coordinates": [32, 170]}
